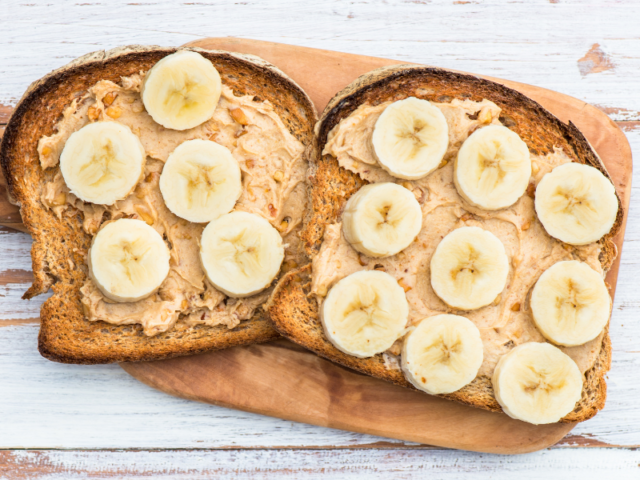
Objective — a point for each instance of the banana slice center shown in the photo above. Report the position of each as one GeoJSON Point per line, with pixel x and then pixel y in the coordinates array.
{"type": "Point", "coordinates": [538, 382]}
{"type": "Point", "coordinates": [246, 253]}
{"type": "Point", "coordinates": [442, 350]}
{"type": "Point", "coordinates": [364, 314]}
{"type": "Point", "coordinates": [495, 165]}
{"type": "Point", "coordinates": [131, 258]}
{"type": "Point", "coordinates": [414, 135]}
{"type": "Point", "coordinates": [570, 303]}
{"type": "Point", "coordinates": [390, 216]}
{"type": "Point", "coordinates": [184, 96]}
{"type": "Point", "coordinates": [201, 181]}
{"type": "Point", "coordinates": [467, 271]}
{"type": "Point", "coordinates": [577, 204]}
{"type": "Point", "coordinates": [496, 162]}
{"type": "Point", "coordinates": [102, 166]}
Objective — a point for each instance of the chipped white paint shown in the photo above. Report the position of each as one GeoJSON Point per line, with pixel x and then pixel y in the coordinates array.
{"type": "Point", "coordinates": [15, 250]}
{"type": "Point", "coordinates": [13, 307]}
{"type": "Point", "coordinates": [586, 464]}
{"type": "Point", "coordinates": [15, 263]}
{"type": "Point", "coordinates": [48, 405]}
{"type": "Point", "coordinates": [532, 41]}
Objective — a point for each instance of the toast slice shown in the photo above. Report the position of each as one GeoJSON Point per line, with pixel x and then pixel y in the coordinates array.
{"type": "Point", "coordinates": [295, 312]}
{"type": "Point", "coordinates": [60, 245]}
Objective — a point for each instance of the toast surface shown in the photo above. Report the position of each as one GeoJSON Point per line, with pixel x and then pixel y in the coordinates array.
{"type": "Point", "coordinates": [60, 245]}
{"type": "Point", "coordinates": [295, 312]}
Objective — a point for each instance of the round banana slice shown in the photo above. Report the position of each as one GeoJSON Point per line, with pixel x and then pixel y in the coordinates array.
{"type": "Point", "coordinates": [570, 303]}
{"type": "Point", "coordinates": [128, 260]}
{"type": "Point", "coordinates": [537, 383]}
{"type": "Point", "coordinates": [576, 204]}
{"type": "Point", "coordinates": [381, 219]}
{"type": "Point", "coordinates": [102, 162]}
{"type": "Point", "coordinates": [241, 253]}
{"type": "Point", "coordinates": [469, 268]}
{"type": "Point", "coordinates": [443, 354]}
{"type": "Point", "coordinates": [364, 313]}
{"type": "Point", "coordinates": [201, 181]}
{"type": "Point", "coordinates": [493, 168]}
{"type": "Point", "coordinates": [182, 90]}
{"type": "Point", "coordinates": [410, 138]}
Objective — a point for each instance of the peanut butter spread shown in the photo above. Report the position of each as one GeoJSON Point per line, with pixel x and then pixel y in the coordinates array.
{"type": "Point", "coordinates": [508, 321]}
{"type": "Point", "coordinates": [273, 171]}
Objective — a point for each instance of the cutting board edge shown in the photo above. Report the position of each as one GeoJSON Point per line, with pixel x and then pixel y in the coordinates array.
{"type": "Point", "coordinates": [545, 442]}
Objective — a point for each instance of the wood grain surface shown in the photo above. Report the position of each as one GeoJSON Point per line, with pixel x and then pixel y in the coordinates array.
{"type": "Point", "coordinates": [278, 380]}
{"type": "Point", "coordinates": [121, 428]}
{"type": "Point", "coordinates": [319, 464]}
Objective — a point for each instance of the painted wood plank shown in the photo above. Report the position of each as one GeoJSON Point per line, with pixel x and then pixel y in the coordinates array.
{"type": "Point", "coordinates": [586, 464]}
{"type": "Point", "coordinates": [50, 405]}
{"type": "Point", "coordinates": [531, 41]}
{"type": "Point", "coordinates": [15, 278]}
{"type": "Point", "coordinates": [14, 308]}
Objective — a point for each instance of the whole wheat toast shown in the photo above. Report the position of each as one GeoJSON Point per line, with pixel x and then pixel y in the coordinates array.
{"type": "Point", "coordinates": [295, 313]}
{"type": "Point", "coordinates": [60, 245]}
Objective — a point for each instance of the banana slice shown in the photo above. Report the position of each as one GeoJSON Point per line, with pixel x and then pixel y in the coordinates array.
{"type": "Point", "coordinates": [201, 181]}
{"type": "Point", "coordinates": [469, 268]}
{"type": "Point", "coordinates": [182, 90]}
{"type": "Point", "coordinates": [102, 162]}
{"type": "Point", "coordinates": [241, 253]}
{"type": "Point", "coordinates": [410, 138]}
{"type": "Point", "coordinates": [128, 260]}
{"type": "Point", "coordinates": [570, 303]}
{"type": "Point", "coordinates": [493, 168]}
{"type": "Point", "coordinates": [443, 354]}
{"type": "Point", "coordinates": [381, 219]}
{"type": "Point", "coordinates": [576, 203]}
{"type": "Point", "coordinates": [537, 383]}
{"type": "Point", "coordinates": [364, 313]}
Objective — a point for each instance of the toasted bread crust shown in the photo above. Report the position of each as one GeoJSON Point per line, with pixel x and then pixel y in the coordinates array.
{"type": "Point", "coordinates": [60, 246]}
{"type": "Point", "coordinates": [295, 314]}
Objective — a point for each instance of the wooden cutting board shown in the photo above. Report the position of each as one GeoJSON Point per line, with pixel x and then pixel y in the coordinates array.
{"type": "Point", "coordinates": [283, 380]}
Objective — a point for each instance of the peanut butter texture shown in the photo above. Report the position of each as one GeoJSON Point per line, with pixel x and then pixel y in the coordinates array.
{"type": "Point", "coordinates": [273, 171]}
{"type": "Point", "coordinates": [508, 321]}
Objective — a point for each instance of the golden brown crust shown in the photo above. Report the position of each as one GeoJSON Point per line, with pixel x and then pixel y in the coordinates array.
{"type": "Point", "coordinates": [59, 247]}
{"type": "Point", "coordinates": [295, 314]}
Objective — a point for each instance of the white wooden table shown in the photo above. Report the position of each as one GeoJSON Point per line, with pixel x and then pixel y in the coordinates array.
{"type": "Point", "coordinates": [65, 421]}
